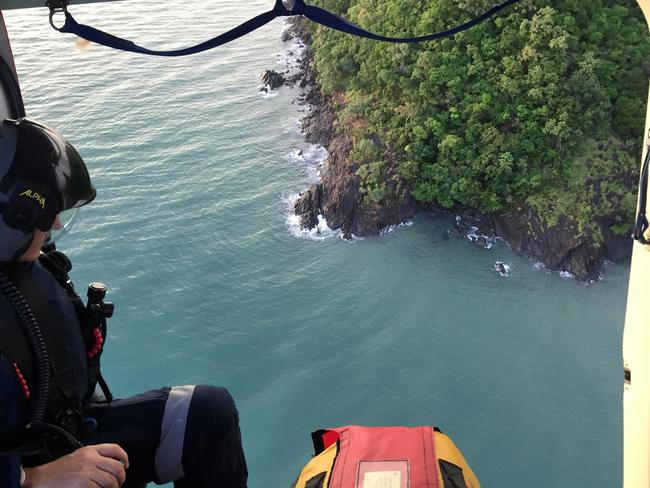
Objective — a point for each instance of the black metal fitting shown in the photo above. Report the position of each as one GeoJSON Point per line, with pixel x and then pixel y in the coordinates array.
{"type": "Point", "coordinates": [56, 6]}
{"type": "Point", "coordinates": [97, 307]}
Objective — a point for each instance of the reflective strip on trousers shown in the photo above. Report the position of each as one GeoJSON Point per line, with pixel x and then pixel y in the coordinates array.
{"type": "Point", "coordinates": [169, 455]}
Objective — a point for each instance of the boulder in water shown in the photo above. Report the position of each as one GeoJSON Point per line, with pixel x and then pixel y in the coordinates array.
{"type": "Point", "coordinates": [273, 79]}
{"type": "Point", "coordinates": [308, 207]}
{"type": "Point", "coordinates": [502, 268]}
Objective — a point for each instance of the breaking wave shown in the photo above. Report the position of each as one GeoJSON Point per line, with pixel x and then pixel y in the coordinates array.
{"type": "Point", "coordinates": [319, 233]}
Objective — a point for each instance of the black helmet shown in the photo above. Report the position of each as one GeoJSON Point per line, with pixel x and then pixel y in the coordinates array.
{"type": "Point", "coordinates": [41, 175]}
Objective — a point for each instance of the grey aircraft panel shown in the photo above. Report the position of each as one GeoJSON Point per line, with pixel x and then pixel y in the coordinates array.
{"type": "Point", "coordinates": [11, 103]}
{"type": "Point", "coordinates": [14, 4]}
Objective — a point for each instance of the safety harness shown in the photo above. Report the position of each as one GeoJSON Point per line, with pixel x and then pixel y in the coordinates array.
{"type": "Point", "coordinates": [40, 358]}
{"type": "Point", "coordinates": [282, 8]}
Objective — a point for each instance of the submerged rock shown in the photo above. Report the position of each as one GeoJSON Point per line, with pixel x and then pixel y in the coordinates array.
{"type": "Point", "coordinates": [502, 268]}
{"type": "Point", "coordinates": [287, 35]}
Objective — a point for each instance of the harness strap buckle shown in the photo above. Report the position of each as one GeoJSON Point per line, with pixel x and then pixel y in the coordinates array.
{"type": "Point", "coordinates": [289, 4]}
{"type": "Point", "coordinates": [288, 8]}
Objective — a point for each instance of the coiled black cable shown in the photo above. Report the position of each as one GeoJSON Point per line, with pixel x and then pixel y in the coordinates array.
{"type": "Point", "coordinates": [37, 342]}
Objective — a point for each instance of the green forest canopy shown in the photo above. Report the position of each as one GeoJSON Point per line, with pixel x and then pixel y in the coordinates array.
{"type": "Point", "coordinates": [543, 104]}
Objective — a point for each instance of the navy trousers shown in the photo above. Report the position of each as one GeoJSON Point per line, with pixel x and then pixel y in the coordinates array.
{"type": "Point", "coordinates": [189, 435]}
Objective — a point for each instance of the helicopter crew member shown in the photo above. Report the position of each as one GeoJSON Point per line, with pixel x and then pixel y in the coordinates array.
{"type": "Point", "coordinates": [54, 430]}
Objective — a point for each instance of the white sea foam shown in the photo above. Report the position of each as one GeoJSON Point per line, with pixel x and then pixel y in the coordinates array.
{"type": "Point", "coordinates": [267, 93]}
{"type": "Point", "coordinates": [502, 268]}
{"type": "Point", "coordinates": [539, 265]}
{"type": "Point", "coordinates": [303, 107]}
{"type": "Point", "coordinates": [294, 125]}
{"type": "Point", "coordinates": [319, 233]}
{"type": "Point", "coordinates": [290, 56]}
{"type": "Point", "coordinates": [392, 228]}
{"type": "Point", "coordinates": [485, 241]}
{"type": "Point", "coordinates": [293, 52]}
{"type": "Point", "coordinates": [309, 154]}
{"type": "Point", "coordinates": [313, 156]}
{"type": "Point", "coordinates": [289, 60]}
{"type": "Point", "coordinates": [563, 274]}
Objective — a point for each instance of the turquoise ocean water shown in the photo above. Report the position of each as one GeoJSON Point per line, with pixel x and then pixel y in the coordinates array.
{"type": "Point", "coordinates": [196, 169]}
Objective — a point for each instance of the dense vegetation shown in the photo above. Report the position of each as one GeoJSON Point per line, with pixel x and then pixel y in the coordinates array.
{"type": "Point", "coordinates": [542, 105]}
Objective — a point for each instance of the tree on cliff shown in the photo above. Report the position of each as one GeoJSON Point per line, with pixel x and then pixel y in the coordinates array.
{"type": "Point", "coordinates": [540, 105]}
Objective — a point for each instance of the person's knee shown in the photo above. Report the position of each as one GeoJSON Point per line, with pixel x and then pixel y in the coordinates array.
{"type": "Point", "coordinates": [213, 409]}
{"type": "Point", "coordinates": [212, 422]}
{"type": "Point", "coordinates": [212, 446]}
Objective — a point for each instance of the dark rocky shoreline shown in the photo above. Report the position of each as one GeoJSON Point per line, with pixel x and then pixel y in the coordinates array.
{"type": "Point", "coordinates": [339, 199]}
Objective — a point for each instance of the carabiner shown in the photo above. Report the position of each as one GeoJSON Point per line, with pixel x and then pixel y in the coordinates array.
{"type": "Point", "coordinates": [289, 4]}
{"type": "Point", "coordinates": [55, 7]}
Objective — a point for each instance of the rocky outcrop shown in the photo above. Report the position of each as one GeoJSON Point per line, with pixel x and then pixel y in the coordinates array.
{"type": "Point", "coordinates": [272, 79]}
{"type": "Point", "coordinates": [308, 206]}
{"type": "Point", "coordinates": [339, 199]}
{"type": "Point", "coordinates": [556, 246]}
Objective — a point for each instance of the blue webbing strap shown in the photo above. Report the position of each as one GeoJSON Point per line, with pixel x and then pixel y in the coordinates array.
{"type": "Point", "coordinates": [333, 21]}
{"type": "Point", "coordinates": [315, 14]}
{"type": "Point", "coordinates": [95, 35]}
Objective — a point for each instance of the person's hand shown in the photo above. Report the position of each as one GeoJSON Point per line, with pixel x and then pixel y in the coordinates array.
{"type": "Point", "coordinates": [102, 466]}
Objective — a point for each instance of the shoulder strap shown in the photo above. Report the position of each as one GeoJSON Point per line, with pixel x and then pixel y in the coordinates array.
{"type": "Point", "coordinates": [64, 392]}
{"type": "Point", "coordinates": [59, 265]}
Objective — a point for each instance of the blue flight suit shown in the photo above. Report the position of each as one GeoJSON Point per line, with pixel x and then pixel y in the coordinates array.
{"type": "Point", "coordinates": [188, 435]}
{"type": "Point", "coordinates": [11, 414]}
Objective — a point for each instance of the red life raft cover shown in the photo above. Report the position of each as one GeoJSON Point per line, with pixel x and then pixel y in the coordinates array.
{"type": "Point", "coordinates": [381, 457]}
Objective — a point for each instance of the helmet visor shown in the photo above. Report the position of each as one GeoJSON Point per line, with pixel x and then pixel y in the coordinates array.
{"type": "Point", "coordinates": [62, 225]}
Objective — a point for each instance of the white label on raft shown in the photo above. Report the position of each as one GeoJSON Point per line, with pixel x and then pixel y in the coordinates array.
{"type": "Point", "coordinates": [382, 479]}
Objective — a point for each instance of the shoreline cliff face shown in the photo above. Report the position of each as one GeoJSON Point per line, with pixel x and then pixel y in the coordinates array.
{"type": "Point", "coordinates": [339, 198]}
{"type": "Point", "coordinates": [338, 195]}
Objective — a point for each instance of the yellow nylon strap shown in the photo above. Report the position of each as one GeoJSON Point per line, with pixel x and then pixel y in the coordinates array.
{"type": "Point", "coordinates": [447, 451]}
{"type": "Point", "coordinates": [319, 464]}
